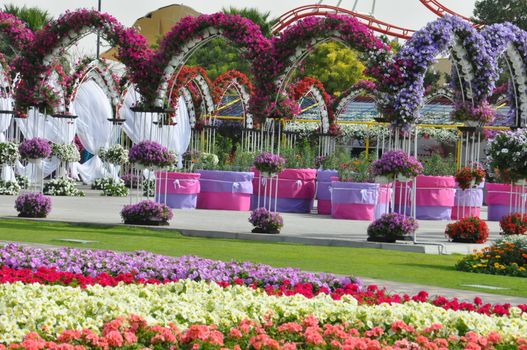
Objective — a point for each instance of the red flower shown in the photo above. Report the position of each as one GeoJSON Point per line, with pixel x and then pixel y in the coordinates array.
{"type": "Point", "coordinates": [471, 229]}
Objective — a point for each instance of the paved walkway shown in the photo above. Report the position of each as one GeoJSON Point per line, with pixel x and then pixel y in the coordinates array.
{"type": "Point", "coordinates": [299, 228]}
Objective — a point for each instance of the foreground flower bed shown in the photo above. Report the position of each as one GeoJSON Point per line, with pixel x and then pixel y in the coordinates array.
{"type": "Point", "coordinates": [33, 307]}
{"type": "Point", "coordinates": [134, 332]}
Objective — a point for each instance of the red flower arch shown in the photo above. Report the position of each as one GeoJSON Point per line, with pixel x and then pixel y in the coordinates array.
{"type": "Point", "coordinates": [307, 84]}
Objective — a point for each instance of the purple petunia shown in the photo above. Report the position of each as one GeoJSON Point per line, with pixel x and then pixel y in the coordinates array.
{"type": "Point", "coordinates": [268, 162]}
{"type": "Point", "coordinates": [35, 148]}
{"type": "Point", "coordinates": [151, 154]}
{"type": "Point", "coordinates": [396, 163]}
{"type": "Point", "coordinates": [393, 225]}
{"type": "Point", "coordinates": [146, 212]}
{"type": "Point", "coordinates": [33, 205]}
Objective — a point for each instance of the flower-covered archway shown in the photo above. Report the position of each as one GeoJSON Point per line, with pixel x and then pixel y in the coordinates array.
{"type": "Point", "coordinates": [234, 80]}
{"type": "Point", "coordinates": [296, 42]}
{"type": "Point", "coordinates": [362, 87]}
{"type": "Point", "coordinates": [16, 32]}
{"type": "Point", "coordinates": [510, 42]}
{"type": "Point", "coordinates": [195, 86]}
{"type": "Point", "coordinates": [472, 66]}
{"type": "Point", "coordinates": [34, 63]}
{"type": "Point", "coordinates": [314, 89]}
{"type": "Point", "coordinates": [192, 33]}
{"type": "Point", "coordinates": [98, 71]}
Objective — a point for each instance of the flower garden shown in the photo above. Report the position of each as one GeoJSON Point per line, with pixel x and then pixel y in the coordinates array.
{"type": "Point", "coordinates": [160, 134]}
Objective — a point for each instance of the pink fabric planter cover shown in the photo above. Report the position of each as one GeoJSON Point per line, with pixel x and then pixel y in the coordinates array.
{"type": "Point", "coordinates": [468, 202]}
{"type": "Point", "coordinates": [502, 199]}
{"type": "Point", "coordinates": [177, 190]}
{"type": "Point", "coordinates": [225, 190]}
{"type": "Point", "coordinates": [296, 190]}
{"type": "Point", "coordinates": [434, 197]}
{"type": "Point", "coordinates": [354, 201]}
{"type": "Point", "coordinates": [323, 194]}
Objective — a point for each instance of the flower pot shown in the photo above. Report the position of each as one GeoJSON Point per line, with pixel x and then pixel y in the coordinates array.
{"type": "Point", "coordinates": [36, 161]}
{"type": "Point", "coordinates": [140, 166]}
{"type": "Point", "coordinates": [354, 201]}
{"type": "Point", "coordinates": [434, 197]}
{"type": "Point", "coordinates": [389, 239]}
{"type": "Point", "coordinates": [292, 192]}
{"type": "Point", "coordinates": [261, 230]}
{"type": "Point", "coordinates": [402, 178]}
{"type": "Point", "coordinates": [468, 202]}
{"type": "Point", "coordinates": [383, 179]}
{"type": "Point", "coordinates": [463, 240]}
{"type": "Point", "coordinates": [323, 194]}
{"type": "Point", "coordinates": [177, 190]}
{"type": "Point", "coordinates": [146, 222]}
{"type": "Point", "coordinates": [503, 199]}
{"type": "Point", "coordinates": [225, 190]}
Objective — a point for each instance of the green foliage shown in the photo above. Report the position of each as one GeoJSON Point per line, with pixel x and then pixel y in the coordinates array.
{"type": "Point", "coordinates": [302, 156]}
{"type": "Point", "coordinates": [499, 11]}
{"type": "Point", "coordinates": [356, 170]}
{"type": "Point", "coordinates": [335, 65]}
{"type": "Point", "coordinates": [241, 161]}
{"type": "Point", "coordinates": [435, 165]}
{"type": "Point", "coordinates": [261, 18]}
{"type": "Point", "coordinates": [332, 162]}
{"type": "Point", "coordinates": [35, 17]}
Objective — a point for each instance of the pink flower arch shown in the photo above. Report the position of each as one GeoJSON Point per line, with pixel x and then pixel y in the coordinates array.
{"type": "Point", "coordinates": [15, 30]}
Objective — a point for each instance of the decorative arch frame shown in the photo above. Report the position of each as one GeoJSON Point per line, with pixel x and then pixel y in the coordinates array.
{"type": "Point", "coordinates": [510, 42]}
{"type": "Point", "coordinates": [472, 64]}
{"type": "Point", "coordinates": [235, 80]}
{"type": "Point", "coordinates": [193, 32]}
{"type": "Point", "coordinates": [6, 83]}
{"type": "Point", "coordinates": [15, 30]}
{"type": "Point", "coordinates": [296, 42]}
{"type": "Point", "coordinates": [98, 71]}
{"type": "Point", "coordinates": [315, 88]}
{"type": "Point", "coordinates": [360, 88]}
{"type": "Point", "coordinates": [37, 57]}
{"type": "Point", "coordinates": [195, 86]}
{"type": "Point", "coordinates": [446, 93]}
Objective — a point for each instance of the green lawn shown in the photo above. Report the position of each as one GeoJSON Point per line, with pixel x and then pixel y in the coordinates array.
{"type": "Point", "coordinates": [424, 269]}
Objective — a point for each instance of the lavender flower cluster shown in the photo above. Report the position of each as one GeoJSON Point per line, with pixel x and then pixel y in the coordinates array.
{"type": "Point", "coordinates": [396, 163]}
{"type": "Point", "coordinates": [263, 219]}
{"type": "Point", "coordinates": [151, 154]}
{"type": "Point", "coordinates": [35, 148]}
{"type": "Point", "coordinates": [148, 265]}
{"type": "Point", "coordinates": [393, 225]}
{"type": "Point", "coordinates": [33, 205]}
{"type": "Point", "coordinates": [146, 213]}
{"type": "Point", "coordinates": [268, 162]}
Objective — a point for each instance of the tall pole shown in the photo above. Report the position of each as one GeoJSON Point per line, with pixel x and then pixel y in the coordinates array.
{"type": "Point", "coordinates": [98, 32]}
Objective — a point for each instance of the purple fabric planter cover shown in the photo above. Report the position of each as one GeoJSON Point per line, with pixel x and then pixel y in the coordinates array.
{"type": "Point", "coordinates": [354, 201]}
{"type": "Point", "coordinates": [502, 199]}
{"type": "Point", "coordinates": [323, 194]}
{"type": "Point", "coordinates": [225, 190]}
{"type": "Point", "coordinates": [383, 202]}
{"type": "Point", "coordinates": [468, 202]}
{"type": "Point", "coordinates": [296, 191]}
{"type": "Point", "coordinates": [434, 198]}
{"type": "Point", "coordinates": [177, 190]}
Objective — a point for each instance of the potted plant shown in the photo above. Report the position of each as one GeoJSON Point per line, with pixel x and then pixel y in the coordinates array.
{"type": "Point", "coordinates": [468, 230]}
{"type": "Point", "coordinates": [150, 154]}
{"type": "Point", "coordinates": [63, 186]}
{"type": "Point", "coordinates": [396, 165]}
{"type": "Point", "coordinates": [66, 154]}
{"type": "Point", "coordinates": [34, 150]}
{"type": "Point", "coordinates": [146, 213]}
{"type": "Point", "coordinates": [269, 164]}
{"type": "Point", "coordinates": [33, 205]}
{"type": "Point", "coordinates": [265, 221]}
{"type": "Point", "coordinates": [8, 153]}
{"type": "Point", "coordinates": [392, 227]}
{"type": "Point", "coordinates": [513, 224]}
{"type": "Point", "coordinates": [469, 193]}
{"type": "Point", "coordinates": [470, 177]}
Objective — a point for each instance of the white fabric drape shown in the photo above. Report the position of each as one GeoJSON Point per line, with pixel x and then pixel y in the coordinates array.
{"type": "Point", "coordinates": [7, 172]}
{"type": "Point", "coordinates": [140, 126]}
{"type": "Point", "coordinates": [93, 109]}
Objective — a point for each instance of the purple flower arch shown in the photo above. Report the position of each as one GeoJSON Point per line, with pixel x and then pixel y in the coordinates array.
{"type": "Point", "coordinates": [191, 33]}
{"type": "Point", "coordinates": [297, 41]}
{"type": "Point", "coordinates": [15, 30]}
{"type": "Point", "coordinates": [510, 42]}
{"type": "Point", "coordinates": [34, 62]}
{"type": "Point", "coordinates": [472, 62]}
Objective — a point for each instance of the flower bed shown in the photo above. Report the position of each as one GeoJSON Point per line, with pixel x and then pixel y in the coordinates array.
{"type": "Point", "coordinates": [177, 190]}
{"type": "Point", "coordinates": [507, 256]}
{"type": "Point", "coordinates": [52, 308]}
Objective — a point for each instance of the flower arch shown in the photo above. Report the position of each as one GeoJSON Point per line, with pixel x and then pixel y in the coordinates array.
{"type": "Point", "coordinates": [235, 80]}
{"type": "Point", "coordinates": [315, 88]}
{"type": "Point", "coordinates": [15, 30]}
{"type": "Point", "coordinates": [296, 42]}
{"type": "Point", "coordinates": [360, 88]}
{"type": "Point", "coordinates": [473, 66]}
{"type": "Point", "coordinates": [5, 78]}
{"type": "Point", "coordinates": [194, 85]}
{"type": "Point", "coordinates": [36, 58]}
{"type": "Point", "coordinates": [97, 70]}
{"type": "Point", "coordinates": [193, 32]}
{"type": "Point", "coordinates": [510, 42]}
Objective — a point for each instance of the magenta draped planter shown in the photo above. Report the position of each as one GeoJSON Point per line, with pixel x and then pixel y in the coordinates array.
{"type": "Point", "coordinates": [502, 199]}
{"type": "Point", "coordinates": [354, 201]}
{"type": "Point", "coordinates": [296, 191]}
{"type": "Point", "coordinates": [468, 202]}
{"type": "Point", "coordinates": [177, 190]}
{"type": "Point", "coordinates": [225, 190]}
{"type": "Point", "coordinates": [434, 198]}
{"type": "Point", "coordinates": [323, 193]}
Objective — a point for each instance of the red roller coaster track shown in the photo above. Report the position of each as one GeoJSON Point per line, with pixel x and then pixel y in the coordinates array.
{"type": "Point", "coordinates": [374, 24]}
